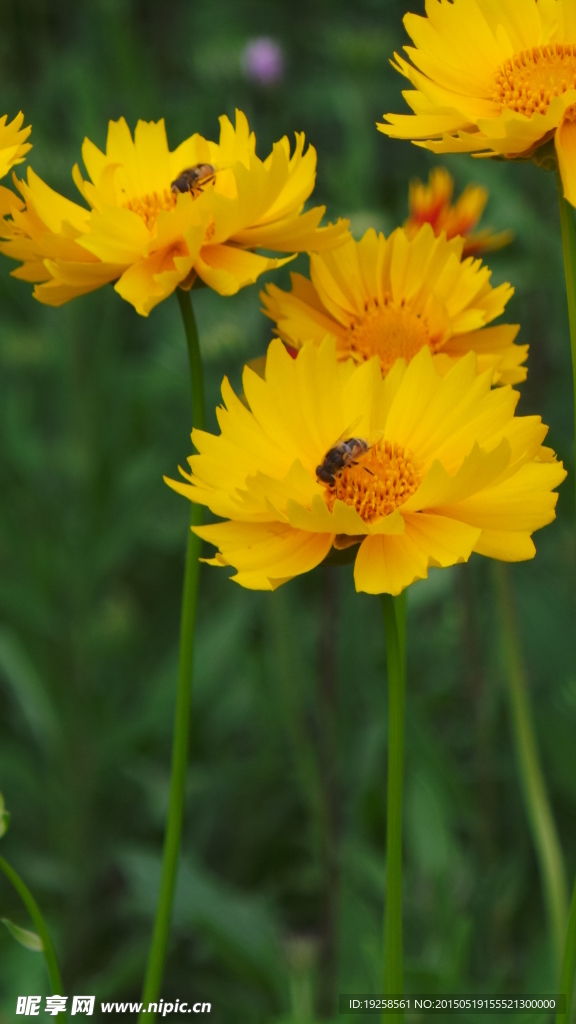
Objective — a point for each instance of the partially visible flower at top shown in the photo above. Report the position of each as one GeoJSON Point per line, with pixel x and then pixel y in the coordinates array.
{"type": "Point", "coordinates": [158, 219]}
{"type": "Point", "coordinates": [432, 204]}
{"type": "Point", "coordinates": [492, 78]}
{"type": "Point", "coordinates": [13, 145]}
{"type": "Point", "coordinates": [440, 467]}
{"type": "Point", "coordinates": [263, 61]}
{"type": "Point", "coordinates": [392, 296]}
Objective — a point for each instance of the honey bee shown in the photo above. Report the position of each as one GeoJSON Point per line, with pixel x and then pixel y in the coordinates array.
{"type": "Point", "coordinates": [343, 454]}
{"type": "Point", "coordinates": [194, 179]}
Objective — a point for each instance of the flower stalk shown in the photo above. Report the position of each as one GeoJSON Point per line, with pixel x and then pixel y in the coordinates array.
{"type": "Point", "coordinates": [394, 612]}
{"type": "Point", "coordinates": [39, 924]}
{"type": "Point", "coordinates": [536, 801]}
{"type": "Point", "coordinates": [569, 962]}
{"type": "Point", "coordinates": [569, 252]}
{"type": "Point", "coordinates": [173, 834]}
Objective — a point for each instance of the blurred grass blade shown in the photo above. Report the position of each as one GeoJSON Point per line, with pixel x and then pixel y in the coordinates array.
{"type": "Point", "coordinates": [538, 810]}
{"type": "Point", "coordinates": [4, 817]}
{"type": "Point", "coordinates": [30, 940]}
{"type": "Point", "coordinates": [569, 962]}
{"type": "Point", "coordinates": [394, 614]}
{"type": "Point", "coordinates": [288, 667]}
{"type": "Point", "coordinates": [568, 229]}
{"type": "Point", "coordinates": [241, 927]}
{"type": "Point", "coordinates": [20, 675]}
{"type": "Point", "coordinates": [37, 919]}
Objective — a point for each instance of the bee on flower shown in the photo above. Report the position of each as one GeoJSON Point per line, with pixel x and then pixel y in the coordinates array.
{"type": "Point", "coordinates": [411, 470]}
{"type": "Point", "coordinates": [156, 219]}
{"type": "Point", "coordinates": [432, 204]}
{"type": "Point", "coordinates": [391, 297]}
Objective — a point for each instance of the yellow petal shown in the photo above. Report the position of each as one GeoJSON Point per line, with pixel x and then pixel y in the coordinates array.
{"type": "Point", "coordinates": [566, 150]}
{"type": "Point", "coordinates": [116, 236]}
{"type": "Point", "coordinates": [266, 554]}
{"type": "Point", "coordinates": [389, 564]}
{"type": "Point", "coordinates": [440, 489]}
{"type": "Point", "coordinates": [386, 565]}
{"type": "Point", "coordinates": [148, 282]}
{"type": "Point", "coordinates": [505, 545]}
{"type": "Point", "coordinates": [227, 269]}
{"type": "Point", "coordinates": [522, 503]}
{"type": "Point", "coordinates": [51, 207]}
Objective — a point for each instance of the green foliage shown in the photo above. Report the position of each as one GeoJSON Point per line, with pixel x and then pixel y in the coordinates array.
{"type": "Point", "coordinates": [4, 817]}
{"type": "Point", "coordinates": [279, 904]}
{"type": "Point", "coordinates": [30, 940]}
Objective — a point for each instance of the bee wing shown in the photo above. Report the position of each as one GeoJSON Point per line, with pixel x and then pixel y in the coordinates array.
{"type": "Point", "coordinates": [222, 167]}
{"type": "Point", "coordinates": [373, 437]}
{"type": "Point", "coordinates": [346, 434]}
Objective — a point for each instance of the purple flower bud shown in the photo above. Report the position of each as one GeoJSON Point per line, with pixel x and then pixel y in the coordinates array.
{"type": "Point", "coordinates": [263, 61]}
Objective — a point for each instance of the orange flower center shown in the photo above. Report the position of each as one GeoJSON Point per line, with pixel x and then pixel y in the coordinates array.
{"type": "Point", "coordinates": [378, 482]}
{"type": "Point", "coordinates": [150, 205]}
{"type": "Point", "coordinates": [389, 331]}
{"type": "Point", "coordinates": [528, 81]}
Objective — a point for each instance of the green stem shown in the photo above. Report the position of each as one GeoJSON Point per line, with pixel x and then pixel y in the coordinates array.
{"type": "Point", "coordinates": [394, 611]}
{"type": "Point", "coordinates": [171, 852]}
{"type": "Point", "coordinates": [569, 963]}
{"type": "Point", "coordinates": [194, 358]}
{"type": "Point", "coordinates": [537, 804]}
{"type": "Point", "coordinates": [400, 606]}
{"type": "Point", "coordinates": [569, 251]}
{"type": "Point", "coordinates": [39, 923]}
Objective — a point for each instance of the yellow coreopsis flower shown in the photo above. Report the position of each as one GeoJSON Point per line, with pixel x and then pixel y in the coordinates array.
{"type": "Point", "coordinates": [433, 469]}
{"type": "Point", "coordinates": [391, 297]}
{"type": "Point", "coordinates": [492, 78]}
{"type": "Point", "coordinates": [13, 145]}
{"type": "Point", "coordinates": [432, 204]}
{"type": "Point", "coordinates": [159, 218]}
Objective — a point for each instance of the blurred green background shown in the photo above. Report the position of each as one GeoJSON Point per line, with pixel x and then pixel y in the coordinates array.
{"type": "Point", "coordinates": [280, 899]}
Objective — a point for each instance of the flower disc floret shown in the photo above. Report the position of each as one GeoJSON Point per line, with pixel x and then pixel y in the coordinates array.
{"type": "Point", "coordinates": [142, 231]}
{"type": "Point", "coordinates": [494, 79]}
{"type": "Point", "coordinates": [389, 331]}
{"type": "Point", "coordinates": [150, 205]}
{"type": "Point", "coordinates": [391, 297]}
{"type": "Point", "coordinates": [528, 82]}
{"type": "Point", "coordinates": [377, 483]}
{"type": "Point", "coordinates": [449, 470]}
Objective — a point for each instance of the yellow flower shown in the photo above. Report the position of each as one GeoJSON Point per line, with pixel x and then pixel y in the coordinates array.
{"type": "Point", "coordinates": [13, 145]}
{"type": "Point", "coordinates": [492, 78]}
{"type": "Point", "coordinates": [151, 226]}
{"type": "Point", "coordinates": [392, 297]}
{"type": "Point", "coordinates": [442, 468]}
{"type": "Point", "coordinates": [432, 204]}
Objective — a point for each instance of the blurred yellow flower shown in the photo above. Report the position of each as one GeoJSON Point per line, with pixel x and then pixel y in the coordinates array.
{"type": "Point", "coordinates": [391, 297]}
{"type": "Point", "coordinates": [492, 78]}
{"type": "Point", "coordinates": [432, 204]}
{"type": "Point", "coordinates": [159, 219]}
{"type": "Point", "coordinates": [13, 145]}
{"type": "Point", "coordinates": [440, 467]}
